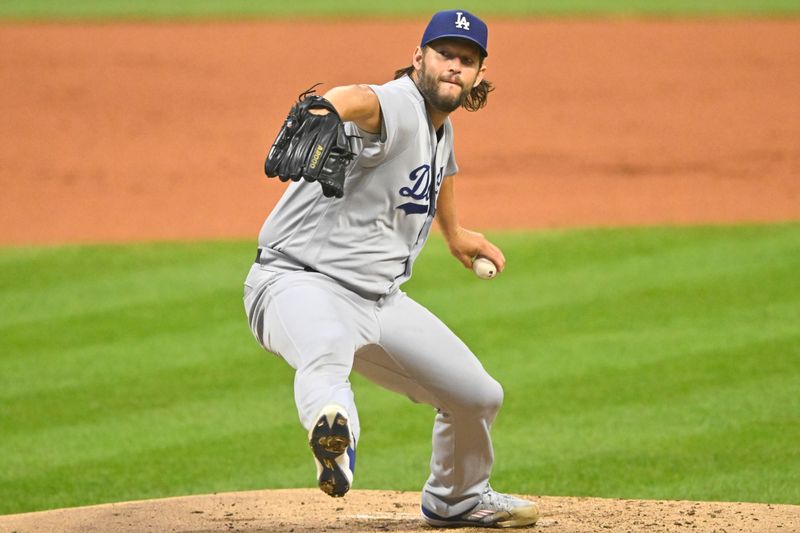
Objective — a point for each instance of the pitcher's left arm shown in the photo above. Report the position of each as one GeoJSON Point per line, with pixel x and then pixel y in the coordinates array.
{"type": "Point", "coordinates": [465, 245]}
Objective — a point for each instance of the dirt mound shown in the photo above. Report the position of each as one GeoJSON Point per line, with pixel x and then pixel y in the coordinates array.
{"type": "Point", "coordinates": [307, 510]}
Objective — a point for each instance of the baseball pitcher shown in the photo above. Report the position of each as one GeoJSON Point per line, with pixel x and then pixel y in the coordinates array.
{"type": "Point", "coordinates": [371, 167]}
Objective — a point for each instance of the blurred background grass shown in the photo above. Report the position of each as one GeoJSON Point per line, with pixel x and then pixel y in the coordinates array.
{"type": "Point", "coordinates": [637, 363]}
{"type": "Point", "coordinates": [149, 9]}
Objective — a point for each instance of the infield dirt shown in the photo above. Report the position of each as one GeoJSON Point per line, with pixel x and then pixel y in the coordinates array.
{"type": "Point", "coordinates": [121, 132]}
{"type": "Point", "coordinates": [307, 510]}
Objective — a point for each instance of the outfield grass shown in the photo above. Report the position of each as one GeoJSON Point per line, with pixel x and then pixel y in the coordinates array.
{"type": "Point", "coordinates": [637, 363]}
{"type": "Point", "coordinates": [155, 9]}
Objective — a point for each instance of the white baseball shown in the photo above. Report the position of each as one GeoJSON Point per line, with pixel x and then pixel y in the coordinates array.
{"type": "Point", "coordinates": [484, 268]}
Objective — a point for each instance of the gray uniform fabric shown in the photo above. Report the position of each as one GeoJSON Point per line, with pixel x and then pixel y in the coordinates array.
{"type": "Point", "coordinates": [369, 239]}
{"type": "Point", "coordinates": [325, 297]}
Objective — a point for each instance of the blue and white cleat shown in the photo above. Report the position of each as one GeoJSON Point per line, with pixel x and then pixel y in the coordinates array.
{"type": "Point", "coordinates": [493, 510]}
{"type": "Point", "coordinates": [333, 446]}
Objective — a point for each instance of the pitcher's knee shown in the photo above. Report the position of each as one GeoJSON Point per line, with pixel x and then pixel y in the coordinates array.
{"type": "Point", "coordinates": [483, 397]}
{"type": "Point", "coordinates": [493, 396]}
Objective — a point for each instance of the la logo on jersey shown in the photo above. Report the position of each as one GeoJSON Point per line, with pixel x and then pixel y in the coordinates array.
{"type": "Point", "coordinates": [461, 21]}
{"type": "Point", "coordinates": [419, 190]}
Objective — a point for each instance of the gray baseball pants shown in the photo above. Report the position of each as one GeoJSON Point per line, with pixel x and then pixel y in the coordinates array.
{"type": "Point", "coordinates": [324, 331]}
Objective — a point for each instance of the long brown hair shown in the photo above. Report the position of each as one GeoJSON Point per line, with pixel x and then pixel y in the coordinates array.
{"type": "Point", "coordinates": [476, 98]}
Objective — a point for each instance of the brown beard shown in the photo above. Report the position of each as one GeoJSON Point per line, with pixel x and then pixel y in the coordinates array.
{"type": "Point", "coordinates": [429, 88]}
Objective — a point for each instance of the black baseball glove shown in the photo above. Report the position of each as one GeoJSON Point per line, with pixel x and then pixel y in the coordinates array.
{"type": "Point", "coordinates": [312, 147]}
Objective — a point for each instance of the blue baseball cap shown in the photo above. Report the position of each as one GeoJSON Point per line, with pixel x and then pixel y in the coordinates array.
{"type": "Point", "coordinates": [457, 23]}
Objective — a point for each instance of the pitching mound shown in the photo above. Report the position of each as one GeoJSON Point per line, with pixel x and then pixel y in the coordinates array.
{"type": "Point", "coordinates": [301, 510]}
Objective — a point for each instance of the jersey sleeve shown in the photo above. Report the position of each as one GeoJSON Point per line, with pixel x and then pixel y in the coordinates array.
{"type": "Point", "coordinates": [451, 167]}
{"type": "Point", "coordinates": [399, 125]}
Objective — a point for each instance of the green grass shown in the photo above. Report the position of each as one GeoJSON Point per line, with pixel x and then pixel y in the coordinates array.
{"type": "Point", "coordinates": [637, 363]}
{"type": "Point", "coordinates": [157, 9]}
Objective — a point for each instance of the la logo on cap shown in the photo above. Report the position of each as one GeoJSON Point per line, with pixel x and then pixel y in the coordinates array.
{"type": "Point", "coordinates": [461, 21]}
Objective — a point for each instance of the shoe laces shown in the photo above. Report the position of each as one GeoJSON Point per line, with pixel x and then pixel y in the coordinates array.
{"type": "Point", "coordinates": [497, 500]}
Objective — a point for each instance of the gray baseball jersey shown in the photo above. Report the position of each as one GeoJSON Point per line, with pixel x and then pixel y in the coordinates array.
{"type": "Point", "coordinates": [368, 240]}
